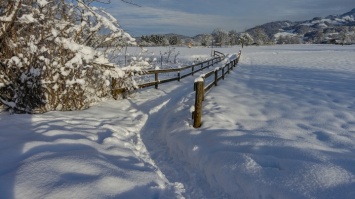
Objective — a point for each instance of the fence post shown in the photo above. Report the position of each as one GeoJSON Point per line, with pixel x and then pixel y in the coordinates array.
{"type": "Point", "coordinates": [192, 70]}
{"type": "Point", "coordinates": [198, 103]}
{"type": "Point", "coordinates": [179, 75]}
{"type": "Point", "coordinates": [223, 72]}
{"type": "Point", "coordinates": [156, 80]}
{"type": "Point", "coordinates": [113, 86]}
{"type": "Point", "coordinates": [215, 77]}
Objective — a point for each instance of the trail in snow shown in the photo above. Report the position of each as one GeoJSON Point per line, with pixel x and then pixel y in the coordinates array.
{"type": "Point", "coordinates": [96, 153]}
{"type": "Point", "coordinates": [171, 106]}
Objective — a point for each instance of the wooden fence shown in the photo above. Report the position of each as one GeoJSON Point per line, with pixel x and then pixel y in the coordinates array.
{"type": "Point", "coordinates": [199, 87]}
{"type": "Point", "coordinates": [182, 72]}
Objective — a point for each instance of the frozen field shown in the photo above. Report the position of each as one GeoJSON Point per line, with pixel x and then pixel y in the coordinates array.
{"type": "Point", "coordinates": [281, 125]}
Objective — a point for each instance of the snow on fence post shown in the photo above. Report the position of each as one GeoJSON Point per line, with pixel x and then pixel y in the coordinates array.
{"type": "Point", "coordinates": [238, 57]}
{"type": "Point", "coordinates": [197, 114]}
{"type": "Point", "coordinates": [156, 80]}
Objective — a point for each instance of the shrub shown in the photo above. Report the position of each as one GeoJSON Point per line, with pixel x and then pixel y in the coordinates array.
{"type": "Point", "coordinates": [52, 55]}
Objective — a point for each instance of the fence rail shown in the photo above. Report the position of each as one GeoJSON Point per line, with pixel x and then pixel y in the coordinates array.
{"type": "Point", "coordinates": [199, 87]}
{"type": "Point", "coordinates": [218, 57]}
{"type": "Point", "coordinates": [182, 72]}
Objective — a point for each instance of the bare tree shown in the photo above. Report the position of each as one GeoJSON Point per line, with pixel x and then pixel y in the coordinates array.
{"type": "Point", "coordinates": [233, 37]}
{"type": "Point", "coordinates": [220, 37]}
{"type": "Point", "coordinates": [206, 39]}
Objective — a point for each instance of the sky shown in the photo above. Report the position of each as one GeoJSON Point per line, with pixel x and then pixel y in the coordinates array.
{"type": "Point", "coordinates": [192, 17]}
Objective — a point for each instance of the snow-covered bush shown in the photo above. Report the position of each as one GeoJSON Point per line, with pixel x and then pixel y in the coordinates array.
{"type": "Point", "coordinates": [245, 39]}
{"type": "Point", "coordinates": [54, 55]}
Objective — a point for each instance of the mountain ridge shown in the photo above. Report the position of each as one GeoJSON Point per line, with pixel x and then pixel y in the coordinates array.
{"type": "Point", "coordinates": [331, 29]}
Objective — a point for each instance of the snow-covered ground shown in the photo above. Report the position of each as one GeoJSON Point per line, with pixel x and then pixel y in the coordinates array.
{"type": "Point", "coordinates": [281, 125]}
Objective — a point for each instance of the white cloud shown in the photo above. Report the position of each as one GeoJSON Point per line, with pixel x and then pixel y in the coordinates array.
{"type": "Point", "coordinates": [147, 16]}
{"type": "Point", "coordinates": [185, 17]}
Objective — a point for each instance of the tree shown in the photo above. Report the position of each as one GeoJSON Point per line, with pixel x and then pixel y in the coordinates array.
{"type": "Point", "coordinates": [220, 37]}
{"type": "Point", "coordinates": [49, 57]}
{"type": "Point", "coordinates": [233, 37]}
{"type": "Point", "coordinates": [319, 37]}
{"type": "Point", "coordinates": [206, 39]}
{"type": "Point", "coordinates": [260, 37]}
{"type": "Point", "coordinates": [173, 40]}
{"type": "Point", "coordinates": [288, 39]}
{"type": "Point", "coordinates": [245, 39]}
{"type": "Point", "coordinates": [158, 40]}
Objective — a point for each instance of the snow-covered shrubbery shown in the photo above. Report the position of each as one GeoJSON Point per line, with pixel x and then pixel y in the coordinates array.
{"type": "Point", "coordinates": [54, 55]}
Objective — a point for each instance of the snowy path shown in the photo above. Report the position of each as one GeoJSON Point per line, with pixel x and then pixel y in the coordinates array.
{"type": "Point", "coordinates": [112, 150]}
{"type": "Point", "coordinates": [170, 107]}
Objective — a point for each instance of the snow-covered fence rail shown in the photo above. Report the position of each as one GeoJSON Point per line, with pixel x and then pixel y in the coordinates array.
{"type": "Point", "coordinates": [181, 72]}
{"type": "Point", "coordinates": [199, 86]}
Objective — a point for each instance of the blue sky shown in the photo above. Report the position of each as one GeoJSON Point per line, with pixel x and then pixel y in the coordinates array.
{"type": "Point", "coordinates": [192, 17]}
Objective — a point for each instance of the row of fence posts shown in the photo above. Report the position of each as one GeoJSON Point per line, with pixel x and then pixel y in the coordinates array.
{"type": "Point", "coordinates": [179, 76]}
{"type": "Point", "coordinates": [199, 87]}
{"type": "Point", "coordinates": [217, 57]}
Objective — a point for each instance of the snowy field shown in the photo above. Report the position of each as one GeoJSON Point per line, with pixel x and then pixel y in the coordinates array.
{"type": "Point", "coordinates": [281, 125]}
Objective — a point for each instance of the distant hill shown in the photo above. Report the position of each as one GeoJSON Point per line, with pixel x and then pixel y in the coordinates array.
{"type": "Point", "coordinates": [331, 29]}
{"type": "Point", "coordinates": [335, 29]}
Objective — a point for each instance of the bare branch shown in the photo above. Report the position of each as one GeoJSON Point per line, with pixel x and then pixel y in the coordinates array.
{"type": "Point", "coordinates": [131, 3]}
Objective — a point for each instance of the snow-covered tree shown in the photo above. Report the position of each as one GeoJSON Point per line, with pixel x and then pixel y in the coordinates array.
{"type": "Point", "coordinates": [220, 37]}
{"type": "Point", "coordinates": [206, 39]}
{"type": "Point", "coordinates": [260, 36]}
{"type": "Point", "coordinates": [233, 37]}
{"type": "Point", "coordinates": [245, 39]}
{"type": "Point", "coordinates": [50, 57]}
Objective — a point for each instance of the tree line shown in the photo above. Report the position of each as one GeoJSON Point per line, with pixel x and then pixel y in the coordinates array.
{"type": "Point", "coordinates": [255, 36]}
{"type": "Point", "coordinates": [218, 37]}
